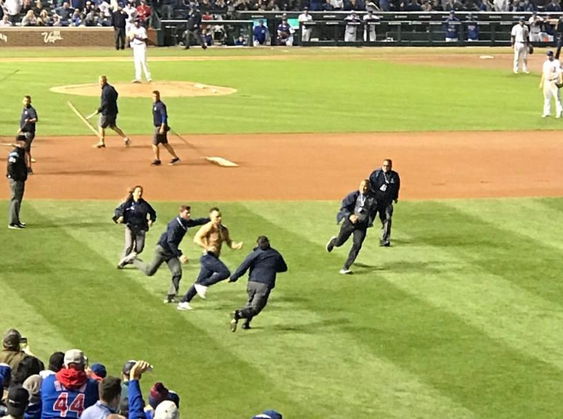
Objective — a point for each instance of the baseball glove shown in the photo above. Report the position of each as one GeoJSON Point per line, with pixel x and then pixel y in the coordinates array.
{"type": "Point", "coordinates": [559, 85]}
{"type": "Point", "coordinates": [530, 49]}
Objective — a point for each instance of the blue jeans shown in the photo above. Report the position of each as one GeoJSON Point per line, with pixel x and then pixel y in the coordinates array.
{"type": "Point", "coordinates": [212, 271]}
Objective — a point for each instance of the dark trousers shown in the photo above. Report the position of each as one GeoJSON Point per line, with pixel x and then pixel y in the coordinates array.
{"type": "Point", "coordinates": [174, 265]}
{"type": "Point", "coordinates": [17, 188]}
{"type": "Point", "coordinates": [212, 271]}
{"type": "Point", "coordinates": [559, 45]}
{"type": "Point", "coordinates": [134, 240]}
{"type": "Point", "coordinates": [258, 294]}
{"type": "Point", "coordinates": [385, 212]}
{"type": "Point", "coordinates": [119, 38]}
{"type": "Point", "coordinates": [195, 34]}
{"type": "Point", "coordinates": [358, 231]}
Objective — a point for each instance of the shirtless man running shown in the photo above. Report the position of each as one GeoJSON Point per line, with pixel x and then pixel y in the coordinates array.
{"type": "Point", "coordinates": [210, 238]}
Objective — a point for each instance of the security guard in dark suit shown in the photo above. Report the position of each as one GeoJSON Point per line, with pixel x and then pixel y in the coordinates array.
{"type": "Point", "coordinates": [385, 184]}
{"type": "Point", "coordinates": [356, 213]}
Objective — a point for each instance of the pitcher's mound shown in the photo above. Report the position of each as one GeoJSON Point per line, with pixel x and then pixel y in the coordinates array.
{"type": "Point", "coordinates": [166, 88]}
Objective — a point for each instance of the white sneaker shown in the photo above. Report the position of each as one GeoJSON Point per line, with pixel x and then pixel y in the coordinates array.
{"type": "Point", "coordinates": [201, 290]}
{"type": "Point", "coordinates": [127, 260]}
{"type": "Point", "coordinates": [545, 116]}
{"type": "Point", "coordinates": [184, 306]}
{"type": "Point", "coordinates": [345, 271]}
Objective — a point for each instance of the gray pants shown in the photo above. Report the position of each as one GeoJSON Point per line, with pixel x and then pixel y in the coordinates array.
{"type": "Point", "coordinates": [17, 188]}
{"type": "Point", "coordinates": [174, 265]}
{"type": "Point", "coordinates": [258, 294]}
{"type": "Point", "coordinates": [385, 215]}
{"type": "Point", "coordinates": [134, 240]}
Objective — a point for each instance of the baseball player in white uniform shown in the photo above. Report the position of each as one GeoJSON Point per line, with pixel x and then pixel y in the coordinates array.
{"type": "Point", "coordinates": [550, 77]}
{"type": "Point", "coordinates": [306, 30]}
{"type": "Point", "coordinates": [138, 37]}
{"type": "Point", "coordinates": [369, 30]}
{"type": "Point", "coordinates": [519, 37]}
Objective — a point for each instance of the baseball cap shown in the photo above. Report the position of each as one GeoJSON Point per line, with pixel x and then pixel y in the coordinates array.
{"type": "Point", "coordinates": [166, 410]}
{"type": "Point", "coordinates": [74, 356]}
{"type": "Point", "coordinates": [549, 53]}
{"type": "Point", "coordinates": [12, 337]}
{"type": "Point", "coordinates": [99, 370]}
{"type": "Point", "coordinates": [18, 399]}
{"type": "Point", "coordinates": [269, 414]}
{"type": "Point", "coordinates": [157, 394]}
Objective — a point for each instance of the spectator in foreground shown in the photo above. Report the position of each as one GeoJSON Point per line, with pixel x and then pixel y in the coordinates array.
{"type": "Point", "coordinates": [110, 396]}
{"type": "Point", "coordinates": [18, 399]}
{"type": "Point", "coordinates": [56, 361]}
{"type": "Point", "coordinates": [268, 414]}
{"type": "Point", "coordinates": [33, 385]}
{"type": "Point", "coordinates": [80, 391]}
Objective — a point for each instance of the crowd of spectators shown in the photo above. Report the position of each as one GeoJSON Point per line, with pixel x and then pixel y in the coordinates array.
{"type": "Point", "coordinates": [99, 12]}
{"type": "Point", "coordinates": [69, 388]}
{"type": "Point", "coordinates": [71, 12]}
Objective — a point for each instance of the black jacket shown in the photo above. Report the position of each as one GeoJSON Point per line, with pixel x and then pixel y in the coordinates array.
{"type": "Point", "coordinates": [349, 204]}
{"type": "Point", "coordinates": [119, 19]}
{"type": "Point", "coordinates": [175, 232]}
{"type": "Point", "coordinates": [135, 214]}
{"type": "Point", "coordinates": [194, 21]}
{"type": "Point", "coordinates": [385, 186]}
{"type": "Point", "coordinates": [263, 265]}
{"type": "Point", "coordinates": [108, 100]}
{"type": "Point", "coordinates": [17, 168]}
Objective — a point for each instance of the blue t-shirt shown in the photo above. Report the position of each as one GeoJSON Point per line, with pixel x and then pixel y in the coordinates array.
{"type": "Point", "coordinates": [260, 33]}
{"type": "Point", "coordinates": [159, 114]}
{"type": "Point", "coordinates": [28, 112]}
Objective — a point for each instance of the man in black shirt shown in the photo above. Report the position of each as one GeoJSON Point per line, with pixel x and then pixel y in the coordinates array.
{"type": "Point", "coordinates": [385, 184]}
{"type": "Point", "coordinates": [161, 128]}
{"type": "Point", "coordinates": [193, 29]}
{"type": "Point", "coordinates": [17, 175]}
{"type": "Point", "coordinates": [28, 120]}
{"type": "Point", "coordinates": [108, 111]}
{"type": "Point", "coordinates": [118, 21]}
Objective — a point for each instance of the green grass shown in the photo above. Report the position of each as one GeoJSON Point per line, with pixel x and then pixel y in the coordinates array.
{"type": "Point", "coordinates": [461, 318]}
{"type": "Point", "coordinates": [331, 94]}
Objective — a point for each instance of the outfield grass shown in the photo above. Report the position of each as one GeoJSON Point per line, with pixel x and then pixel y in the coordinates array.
{"type": "Point", "coordinates": [331, 94]}
{"type": "Point", "coordinates": [461, 318]}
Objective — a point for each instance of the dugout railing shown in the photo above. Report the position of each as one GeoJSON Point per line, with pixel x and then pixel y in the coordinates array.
{"type": "Point", "coordinates": [391, 28]}
{"type": "Point", "coordinates": [170, 31]}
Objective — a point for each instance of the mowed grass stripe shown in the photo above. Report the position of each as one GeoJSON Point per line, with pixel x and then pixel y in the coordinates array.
{"type": "Point", "coordinates": [311, 346]}
{"type": "Point", "coordinates": [449, 281]}
{"type": "Point", "coordinates": [113, 319]}
{"type": "Point", "coordinates": [525, 228]}
{"type": "Point", "coordinates": [15, 312]}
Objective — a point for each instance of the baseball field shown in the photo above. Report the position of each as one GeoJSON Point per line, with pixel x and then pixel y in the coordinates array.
{"type": "Point", "coordinates": [460, 318]}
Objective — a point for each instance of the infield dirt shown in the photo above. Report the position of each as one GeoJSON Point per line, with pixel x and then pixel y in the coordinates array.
{"type": "Point", "coordinates": [302, 166]}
